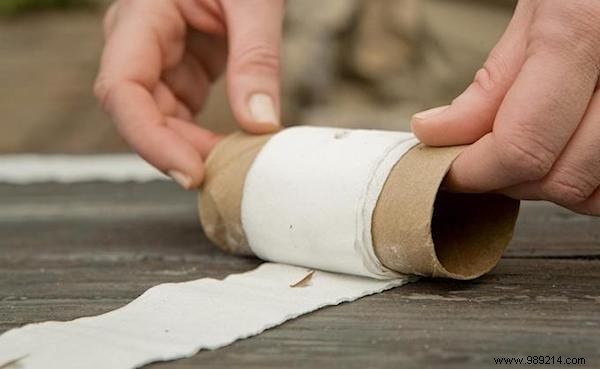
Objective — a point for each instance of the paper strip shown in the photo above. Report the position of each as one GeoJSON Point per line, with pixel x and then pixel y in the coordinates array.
{"type": "Point", "coordinates": [176, 320]}
{"type": "Point", "coordinates": [309, 197]}
{"type": "Point", "coordinates": [23, 169]}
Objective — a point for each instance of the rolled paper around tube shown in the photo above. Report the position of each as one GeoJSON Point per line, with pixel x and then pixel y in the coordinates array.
{"type": "Point", "coordinates": [361, 202]}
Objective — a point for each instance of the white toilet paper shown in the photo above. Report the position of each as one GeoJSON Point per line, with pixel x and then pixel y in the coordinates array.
{"type": "Point", "coordinates": [310, 195]}
{"type": "Point", "coordinates": [177, 320]}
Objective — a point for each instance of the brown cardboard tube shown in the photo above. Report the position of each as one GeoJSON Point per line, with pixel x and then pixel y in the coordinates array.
{"type": "Point", "coordinates": [416, 228]}
{"type": "Point", "coordinates": [220, 198]}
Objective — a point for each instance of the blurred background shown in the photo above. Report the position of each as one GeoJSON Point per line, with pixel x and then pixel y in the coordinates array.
{"type": "Point", "coordinates": [353, 63]}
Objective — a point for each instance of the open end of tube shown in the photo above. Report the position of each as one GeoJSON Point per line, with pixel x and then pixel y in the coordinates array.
{"type": "Point", "coordinates": [471, 231]}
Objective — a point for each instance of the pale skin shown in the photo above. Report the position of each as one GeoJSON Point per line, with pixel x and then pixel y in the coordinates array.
{"type": "Point", "coordinates": [532, 113]}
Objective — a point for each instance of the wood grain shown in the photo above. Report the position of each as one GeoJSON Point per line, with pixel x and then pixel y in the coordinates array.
{"type": "Point", "coordinates": [74, 250]}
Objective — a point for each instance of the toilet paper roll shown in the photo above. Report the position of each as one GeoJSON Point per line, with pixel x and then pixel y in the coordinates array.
{"type": "Point", "coordinates": [352, 201]}
{"type": "Point", "coordinates": [412, 226]}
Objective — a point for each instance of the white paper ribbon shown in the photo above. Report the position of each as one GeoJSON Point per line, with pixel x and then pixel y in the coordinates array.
{"type": "Point", "coordinates": [310, 194]}
{"type": "Point", "coordinates": [176, 320]}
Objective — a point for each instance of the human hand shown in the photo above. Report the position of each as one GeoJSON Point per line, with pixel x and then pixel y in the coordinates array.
{"type": "Point", "coordinates": [160, 60]}
{"type": "Point", "coordinates": [533, 110]}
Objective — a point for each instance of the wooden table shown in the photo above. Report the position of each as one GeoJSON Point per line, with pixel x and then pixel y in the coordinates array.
{"type": "Point", "coordinates": [74, 250]}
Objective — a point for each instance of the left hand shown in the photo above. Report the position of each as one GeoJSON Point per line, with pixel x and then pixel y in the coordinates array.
{"type": "Point", "coordinates": [532, 111]}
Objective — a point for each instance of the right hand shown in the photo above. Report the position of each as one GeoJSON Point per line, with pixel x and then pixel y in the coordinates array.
{"type": "Point", "coordinates": [160, 60]}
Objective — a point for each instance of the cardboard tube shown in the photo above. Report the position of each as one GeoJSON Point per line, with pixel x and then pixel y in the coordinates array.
{"type": "Point", "coordinates": [416, 228]}
{"type": "Point", "coordinates": [221, 194]}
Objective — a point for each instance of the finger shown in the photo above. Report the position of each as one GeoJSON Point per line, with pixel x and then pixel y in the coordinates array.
{"type": "Point", "coordinates": [471, 115]}
{"type": "Point", "coordinates": [589, 207]}
{"type": "Point", "coordinates": [169, 105]}
{"type": "Point", "coordinates": [202, 139]}
{"type": "Point", "coordinates": [165, 100]}
{"type": "Point", "coordinates": [576, 174]}
{"type": "Point", "coordinates": [253, 68]}
{"type": "Point", "coordinates": [148, 133]}
{"type": "Point", "coordinates": [189, 82]}
{"type": "Point", "coordinates": [535, 121]}
{"type": "Point", "coordinates": [180, 120]}
{"type": "Point", "coordinates": [182, 112]}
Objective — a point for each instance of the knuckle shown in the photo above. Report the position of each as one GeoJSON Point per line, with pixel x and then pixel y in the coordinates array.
{"type": "Point", "coordinates": [100, 89]}
{"type": "Point", "coordinates": [526, 159]}
{"type": "Point", "coordinates": [260, 58]}
{"type": "Point", "coordinates": [590, 207]}
{"type": "Point", "coordinates": [103, 89]}
{"type": "Point", "coordinates": [568, 190]}
{"type": "Point", "coordinates": [492, 74]}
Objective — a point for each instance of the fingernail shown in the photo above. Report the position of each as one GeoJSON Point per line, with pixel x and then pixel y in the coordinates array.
{"type": "Point", "coordinates": [181, 179]}
{"type": "Point", "coordinates": [262, 109]}
{"type": "Point", "coordinates": [430, 113]}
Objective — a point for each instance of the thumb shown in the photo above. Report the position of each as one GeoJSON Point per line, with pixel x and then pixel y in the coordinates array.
{"type": "Point", "coordinates": [254, 31]}
{"type": "Point", "coordinates": [472, 113]}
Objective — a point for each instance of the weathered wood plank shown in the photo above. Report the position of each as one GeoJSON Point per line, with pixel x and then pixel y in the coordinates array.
{"type": "Point", "coordinates": [541, 301]}
{"type": "Point", "coordinates": [76, 250]}
{"type": "Point", "coordinates": [523, 307]}
{"type": "Point", "coordinates": [546, 230]}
